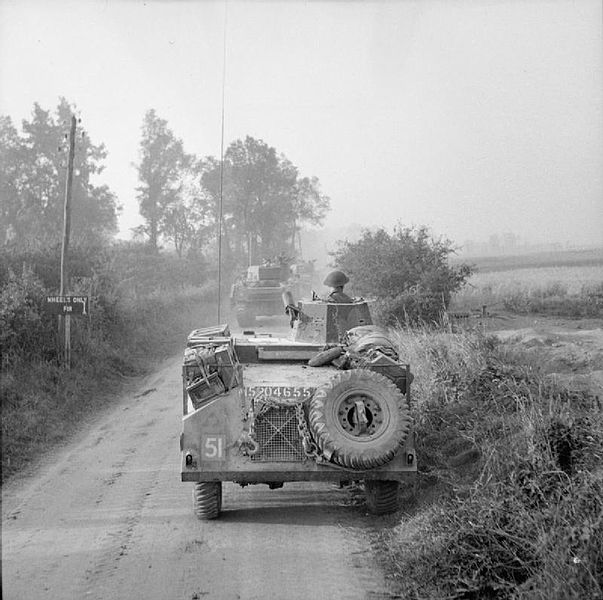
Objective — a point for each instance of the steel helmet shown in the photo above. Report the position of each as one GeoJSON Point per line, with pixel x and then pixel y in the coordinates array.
{"type": "Point", "coordinates": [335, 279]}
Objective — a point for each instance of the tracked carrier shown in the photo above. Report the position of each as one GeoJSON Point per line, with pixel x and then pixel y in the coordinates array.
{"type": "Point", "coordinates": [330, 403]}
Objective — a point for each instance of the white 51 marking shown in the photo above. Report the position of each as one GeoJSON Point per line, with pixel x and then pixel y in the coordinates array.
{"type": "Point", "coordinates": [213, 447]}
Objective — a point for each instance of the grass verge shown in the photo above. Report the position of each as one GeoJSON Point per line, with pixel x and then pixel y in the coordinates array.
{"type": "Point", "coordinates": [511, 478]}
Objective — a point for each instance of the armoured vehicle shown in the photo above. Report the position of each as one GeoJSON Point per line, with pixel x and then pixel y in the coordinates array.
{"type": "Point", "coordinates": [330, 403]}
{"type": "Point", "coordinates": [258, 291]}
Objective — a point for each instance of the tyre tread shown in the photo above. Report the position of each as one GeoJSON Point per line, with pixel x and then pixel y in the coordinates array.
{"type": "Point", "coordinates": [382, 496]}
{"type": "Point", "coordinates": [370, 458]}
{"type": "Point", "coordinates": [207, 499]}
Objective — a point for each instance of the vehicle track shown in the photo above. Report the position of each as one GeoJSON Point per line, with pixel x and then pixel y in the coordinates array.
{"type": "Point", "coordinates": [107, 517]}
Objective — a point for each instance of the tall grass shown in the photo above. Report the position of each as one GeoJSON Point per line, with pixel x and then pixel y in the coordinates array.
{"type": "Point", "coordinates": [564, 291]}
{"type": "Point", "coordinates": [511, 478]}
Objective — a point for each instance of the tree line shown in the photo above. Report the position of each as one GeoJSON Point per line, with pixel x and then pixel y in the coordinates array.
{"type": "Point", "coordinates": [265, 200]}
{"type": "Point", "coordinates": [32, 183]}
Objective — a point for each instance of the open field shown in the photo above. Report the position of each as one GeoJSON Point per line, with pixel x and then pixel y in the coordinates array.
{"type": "Point", "coordinates": [562, 258]}
{"type": "Point", "coordinates": [570, 285]}
{"type": "Point", "coordinates": [496, 288]}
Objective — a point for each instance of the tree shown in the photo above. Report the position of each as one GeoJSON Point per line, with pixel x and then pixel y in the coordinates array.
{"type": "Point", "coordinates": [407, 271]}
{"type": "Point", "coordinates": [263, 185]}
{"type": "Point", "coordinates": [10, 161]}
{"type": "Point", "coordinates": [310, 206]}
{"type": "Point", "coordinates": [33, 183]}
{"type": "Point", "coordinates": [188, 220]}
{"type": "Point", "coordinates": [162, 162]}
{"type": "Point", "coordinates": [264, 199]}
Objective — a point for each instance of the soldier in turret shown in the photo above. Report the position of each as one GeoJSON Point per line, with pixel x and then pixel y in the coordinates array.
{"type": "Point", "coordinates": [336, 280]}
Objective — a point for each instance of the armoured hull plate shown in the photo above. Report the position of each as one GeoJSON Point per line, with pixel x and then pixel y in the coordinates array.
{"type": "Point", "coordinates": [283, 374]}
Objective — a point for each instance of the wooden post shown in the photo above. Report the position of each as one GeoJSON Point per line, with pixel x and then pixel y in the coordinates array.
{"type": "Point", "coordinates": [68, 341]}
{"type": "Point", "coordinates": [65, 244]}
{"type": "Point", "coordinates": [90, 310]}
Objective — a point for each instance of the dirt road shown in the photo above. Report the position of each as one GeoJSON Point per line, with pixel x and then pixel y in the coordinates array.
{"type": "Point", "coordinates": [108, 518]}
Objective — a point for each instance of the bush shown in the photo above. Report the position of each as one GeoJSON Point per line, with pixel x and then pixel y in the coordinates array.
{"type": "Point", "coordinates": [24, 329]}
{"type": "Point", "coordinates": [407, 271]}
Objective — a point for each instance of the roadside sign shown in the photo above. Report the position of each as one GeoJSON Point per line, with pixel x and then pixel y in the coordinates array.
{"type": "Point", "coordinates": [68, 305]}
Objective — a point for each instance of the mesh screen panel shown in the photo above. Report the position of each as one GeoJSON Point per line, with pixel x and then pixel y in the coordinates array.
{"type": "Point", "coordinates": [277, 435]}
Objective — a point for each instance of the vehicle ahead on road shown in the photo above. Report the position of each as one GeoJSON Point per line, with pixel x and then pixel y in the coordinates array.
{"type": "Point", "coordinates": [330, 404]}
{"type": "Point", "coordinates": [258, 292]}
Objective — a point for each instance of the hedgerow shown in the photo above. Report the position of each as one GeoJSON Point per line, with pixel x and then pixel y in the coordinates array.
{"type": "Point", "coordinates": [135, 318]}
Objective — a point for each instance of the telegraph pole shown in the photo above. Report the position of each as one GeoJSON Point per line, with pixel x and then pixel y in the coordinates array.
{"type": "Point", "coordinates": [65, 244]}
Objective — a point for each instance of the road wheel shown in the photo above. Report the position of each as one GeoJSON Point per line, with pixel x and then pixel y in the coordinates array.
{"type": "Point", "coordinates": [359, 419]}
{"type": "Point", "coordinates": [382, 497]}
{"type": "Point", "coordinates": [245, 317]}
{"type": "Point", "coordinates": [207, 499]}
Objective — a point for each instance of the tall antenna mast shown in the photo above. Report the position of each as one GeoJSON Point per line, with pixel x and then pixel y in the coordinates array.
{"type": "Point", "coordinates": [221, 170]}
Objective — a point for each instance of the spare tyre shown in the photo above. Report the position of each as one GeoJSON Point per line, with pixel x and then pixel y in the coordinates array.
{"type": "Point", "coordinates": [359, 419]}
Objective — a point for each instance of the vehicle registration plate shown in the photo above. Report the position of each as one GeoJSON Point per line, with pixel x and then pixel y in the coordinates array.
{"type": "Point", "coordinates": [279, 392]}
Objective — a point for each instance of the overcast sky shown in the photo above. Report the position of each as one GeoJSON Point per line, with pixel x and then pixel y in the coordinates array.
{"type": "Point", "coordinates": [471, 117]}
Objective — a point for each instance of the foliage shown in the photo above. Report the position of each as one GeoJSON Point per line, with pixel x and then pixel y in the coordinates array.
{"type": "Point", "coordinates": [264, 200]}
{"type": "Point", "coordinates": [189, 222]}
{"type": "Point", "coordinates": [115, 276]}
{"type": "Point", "coordinates": [407, 271]}
{"type": "Point", "coordinates": [513, 463]}
{"type": "Point", "coordinates": [33, 179]}
{"type": "Point", "coordinates": [162, 165]}
{"type": "Point", "coordinates": [141, 306]}
{"type": "Point", "coordinates": [22, 322]}
{"type": "Point", "coordinates": [134, 273]}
